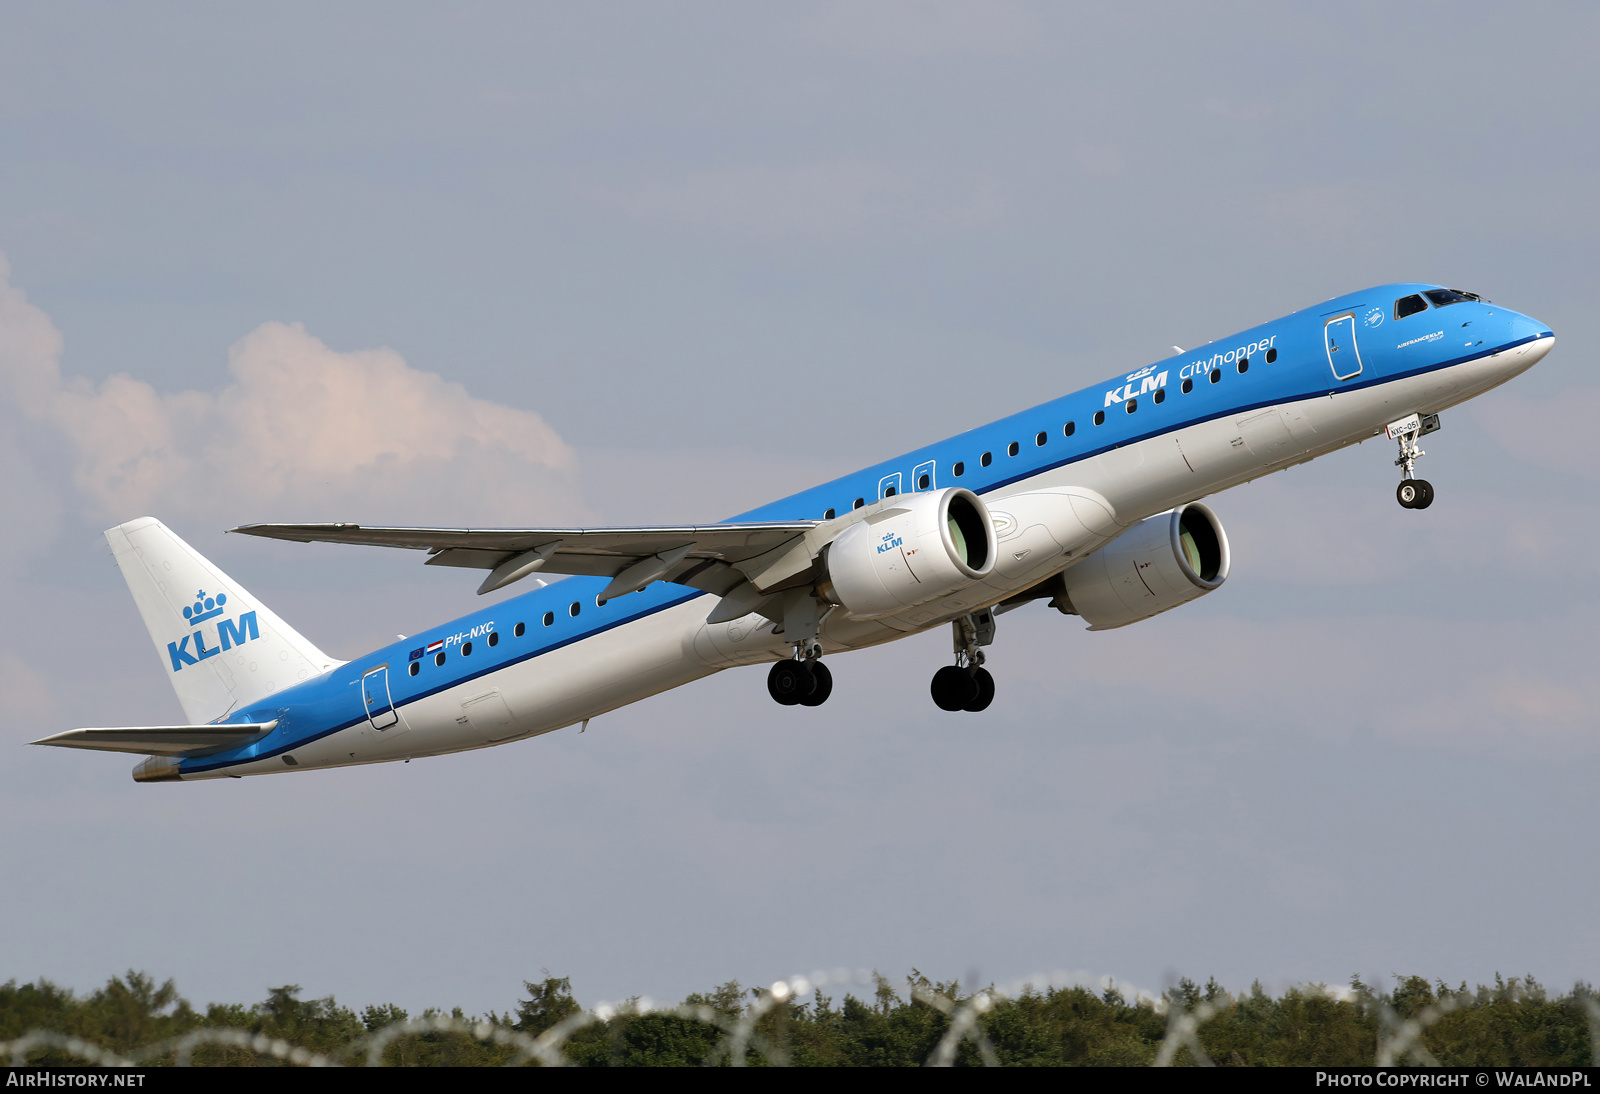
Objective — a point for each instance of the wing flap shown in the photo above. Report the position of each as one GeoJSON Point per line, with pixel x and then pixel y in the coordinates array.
{"type": "Point", "coordinates": [731, 542]}
{"type": "Point", "coordinates": [161, 740]}
{"type": "Point", "coordinates": [589, 552]}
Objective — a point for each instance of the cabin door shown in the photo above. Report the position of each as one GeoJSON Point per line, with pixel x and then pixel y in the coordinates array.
{"type": "Point", "coordinates": [1343, 357]}
{"type": "Point", "coordinates": [375, 694]}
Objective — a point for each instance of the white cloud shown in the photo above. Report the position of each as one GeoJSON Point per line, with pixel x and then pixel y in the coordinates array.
{"type": "Point", "coordinates": [821, 199]}
{"type": "Point", "coordinates": [926, 28]}
{"type": "Point", "coordinates": [301, 431]}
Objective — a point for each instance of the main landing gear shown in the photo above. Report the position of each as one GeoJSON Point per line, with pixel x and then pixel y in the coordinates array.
{"type": "Point", "coordinates": [967, 685]}
{"type": "Point", "coordinates": [1412, 493]}
{"type": "Point", "coordinates": [803, 680]}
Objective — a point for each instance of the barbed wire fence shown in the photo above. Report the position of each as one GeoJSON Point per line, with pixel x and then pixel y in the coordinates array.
{"type": "Point", "coordinates": [1399, 1040]}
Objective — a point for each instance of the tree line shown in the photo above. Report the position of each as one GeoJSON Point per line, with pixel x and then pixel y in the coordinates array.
{"type": "Point", "coordinates": [1513, 1022]}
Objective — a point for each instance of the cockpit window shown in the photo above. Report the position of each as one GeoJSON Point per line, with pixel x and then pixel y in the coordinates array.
{"type": "Point", "coordinates": [1409, 305]}
{"type": "Point", "coordinates": [1442, 297]}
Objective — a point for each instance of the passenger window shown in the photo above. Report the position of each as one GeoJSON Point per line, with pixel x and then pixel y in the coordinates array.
{"type": "Point", "coordinates": [1011, 449]}
{"type": "Point", "coordinates": [466, 649]}
{"type": "Point", "coordinates": [828, 515]}
{"type": "Point", "coordinates": [415, 667]}
{"type": "Point", "coordinates": [439, 658]}
{"type": "Point", "coordinates": [549, 618]}
{"type": "Point", "coordinates": [1160, 395]}
{"type": "Point", "coordinates": [494, 638]}
{"type": "Point", "coordinates": [958, 470]}
{"type": "Point", "coordinates": [1244, 364]}
{"type": "Point", "coordinates": [1099, 417]}
{"type": "Point", "coordinates": [1069, 429]}
{"type": "Point", "coordinates": [1409, 305]}
{"type": "Point", "coordinates": [575, 609]}
{"type": "Point", "coordinates": [986, 459]}
{"type": "Point", "coordinates": [1216, 375]}
{"type": "Point", "coordinates": [1272, 355]}
{"type": "Point", "coordinates": [1040, 439]}
{"type": "Point", "coordinates": [1131, 405]}
{"type": "Point", "coordinates": [1188, 386]}
{"type": "Point", "coordinates": [859, 503]}
{"type": "Point", "coordinates": [519, 630]}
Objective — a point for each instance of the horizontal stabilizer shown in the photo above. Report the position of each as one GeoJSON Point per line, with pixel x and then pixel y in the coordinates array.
{"type": "Point", "coordinates": [162, 740]}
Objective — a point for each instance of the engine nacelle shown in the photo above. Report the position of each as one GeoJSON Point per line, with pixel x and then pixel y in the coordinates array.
{"type": "Point", "coordinates": [922, 547]}
{"type": "Point", "coordinates": [1159, 563]}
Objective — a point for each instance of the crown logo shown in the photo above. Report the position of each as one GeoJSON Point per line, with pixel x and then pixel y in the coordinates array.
{"type": "Point", "coordinates": [205, 607]}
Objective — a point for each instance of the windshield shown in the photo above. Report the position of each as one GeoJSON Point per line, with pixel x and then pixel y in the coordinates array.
{"type": "Point", "coordinates": [1409, 305]}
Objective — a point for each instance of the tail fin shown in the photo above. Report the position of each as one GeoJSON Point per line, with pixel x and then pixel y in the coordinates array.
{"type": "Point", "coordinates": [223, 649]}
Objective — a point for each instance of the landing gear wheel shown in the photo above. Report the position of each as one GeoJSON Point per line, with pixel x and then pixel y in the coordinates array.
{"type": "Point", "coordinates": [822, 688]}
{"type": "Point", "coordinates": [953, 688]}
{"type": "Point", "coordinates": [985, 694]}
{"type": "Point", "coordinates": [790, 682]}
{"type": "Point", "coordinates": [1414, 493]}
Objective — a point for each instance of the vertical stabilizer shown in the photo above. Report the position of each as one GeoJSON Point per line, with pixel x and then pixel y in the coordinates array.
{"type": "Point", "coordinates": [222, 649]}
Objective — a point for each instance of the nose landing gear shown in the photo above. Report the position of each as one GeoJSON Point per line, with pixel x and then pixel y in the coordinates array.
{"type": "Point", "coordinates": [1412, 493]}
{"type": "Point", "coordinates": [967, 685]}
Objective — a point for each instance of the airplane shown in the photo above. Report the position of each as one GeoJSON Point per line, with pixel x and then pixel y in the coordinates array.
{"type": "Point", "coordinates": [1090, 502]}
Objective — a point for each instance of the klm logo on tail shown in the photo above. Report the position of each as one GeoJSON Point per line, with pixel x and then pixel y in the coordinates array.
{"type": "Point", "coordinates": [230, 632]}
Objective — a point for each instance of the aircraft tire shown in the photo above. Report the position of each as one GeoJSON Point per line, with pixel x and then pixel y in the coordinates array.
{"type": "Point", "coordinates": [1424, 494]}
{"type": "Point", "coordinates": [790, 682]}
{"type": "Point", "coordinates": [985, 694]}
{"type": "Point", "coordinates": [822, 688]}
{"type": "Point", "coordinates": [953, 688]}
{"type": "Point", "coordinates": [1407, 493]}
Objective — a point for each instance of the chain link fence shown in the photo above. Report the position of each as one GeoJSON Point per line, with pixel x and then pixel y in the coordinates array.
{"type": "Point", "coordinates": [1399, 1040]}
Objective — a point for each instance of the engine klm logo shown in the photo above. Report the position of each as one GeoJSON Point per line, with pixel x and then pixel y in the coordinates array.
{"type": "Point", "coordinates": [890, 542]}
{"type": "Point", "coordinates": [230, 632]}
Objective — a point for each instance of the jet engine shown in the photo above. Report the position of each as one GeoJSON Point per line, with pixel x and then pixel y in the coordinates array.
{"type": "Point", "coordinates": [1159, 563]}
{"type": "Point", "coordinates": [921, 547]}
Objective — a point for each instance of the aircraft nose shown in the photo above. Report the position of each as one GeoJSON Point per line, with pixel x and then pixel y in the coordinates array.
{"type": "Point", "coordinates": [1536, 340]}
{"type": "Point", "coordinates": [1526, 326]}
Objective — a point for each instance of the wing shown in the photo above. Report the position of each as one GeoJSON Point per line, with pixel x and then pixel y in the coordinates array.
{"type": "Point", "coordinates": [716, 558]}
{"type": "Point", "coordinates": [161, 740]}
